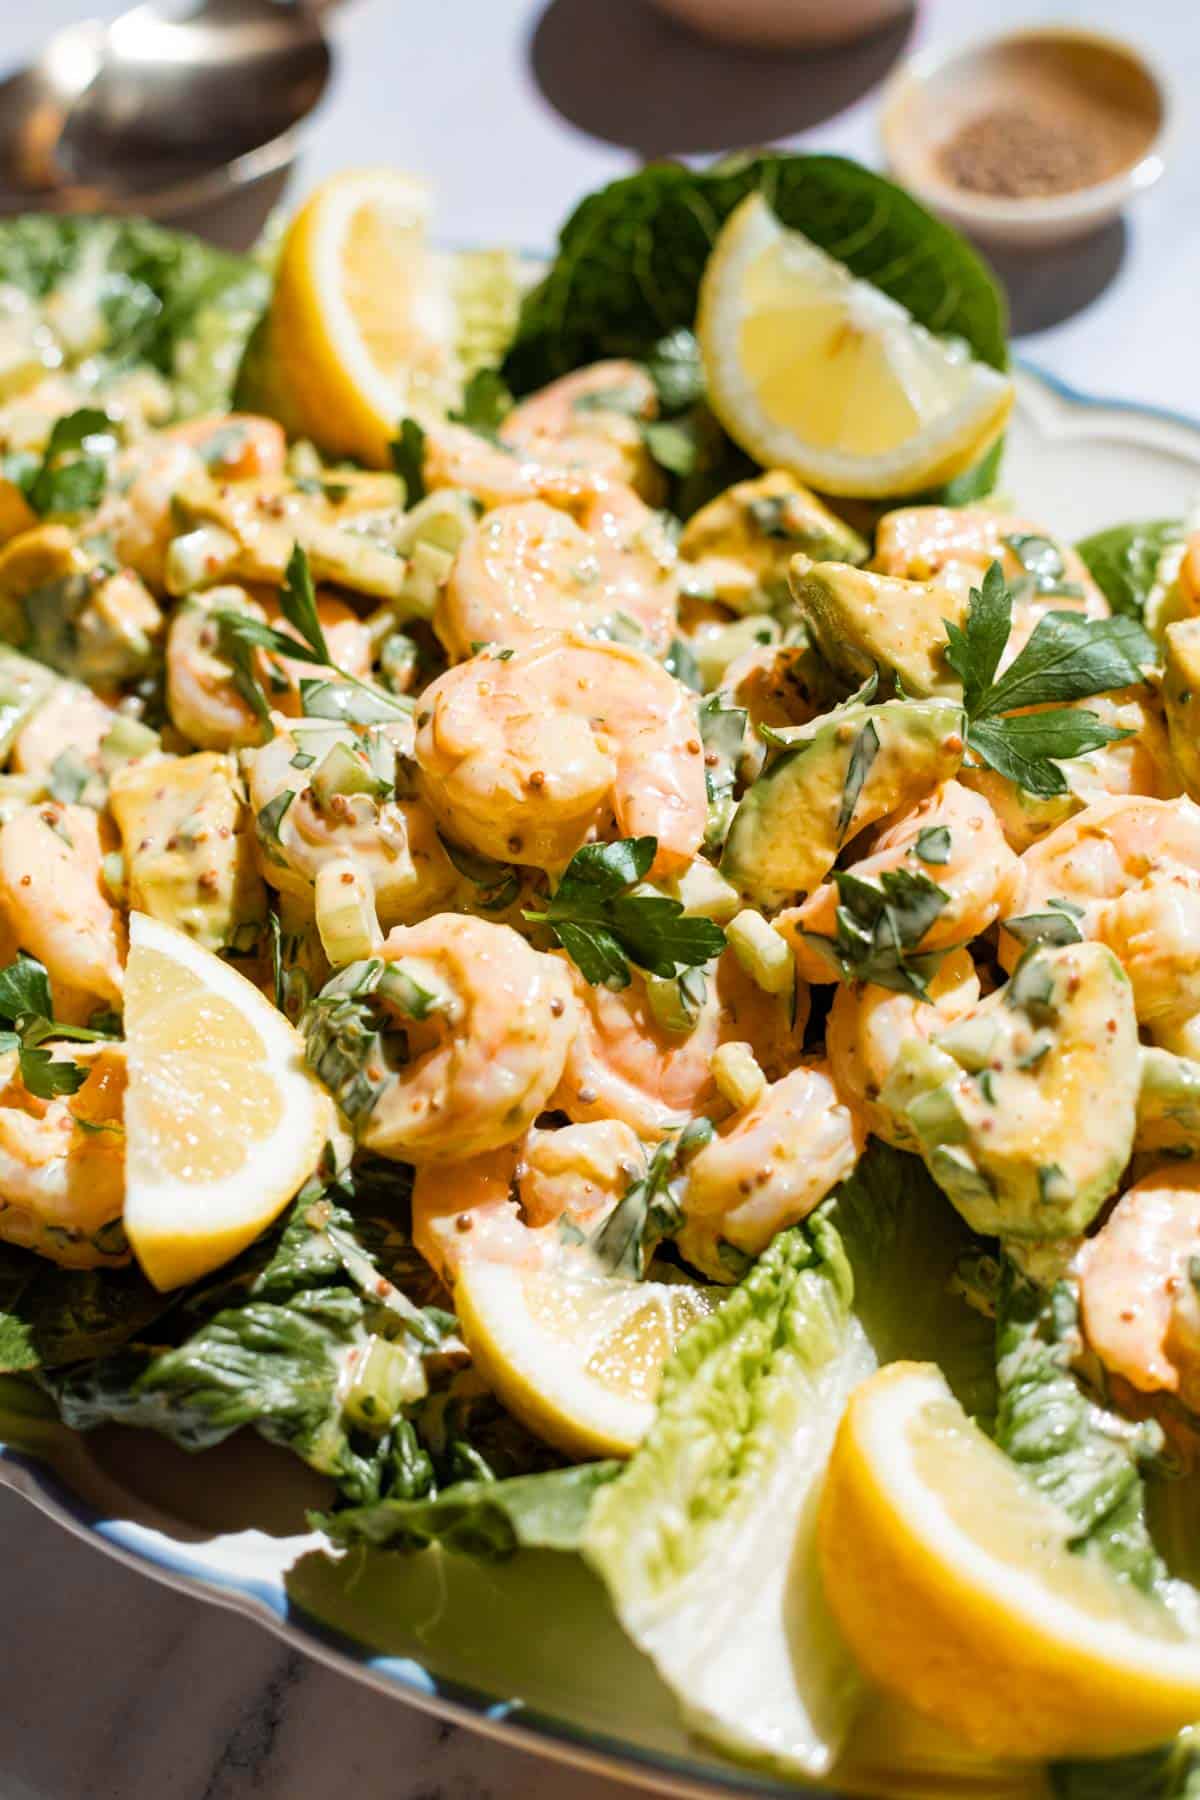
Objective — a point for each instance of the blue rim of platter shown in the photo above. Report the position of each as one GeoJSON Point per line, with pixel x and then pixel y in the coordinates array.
{"type": "Point", "coordinates": [268, 1602]}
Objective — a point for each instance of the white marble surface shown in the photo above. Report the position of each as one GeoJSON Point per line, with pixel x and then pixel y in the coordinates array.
{"type": "Point", "coordinates": [112, 1687]}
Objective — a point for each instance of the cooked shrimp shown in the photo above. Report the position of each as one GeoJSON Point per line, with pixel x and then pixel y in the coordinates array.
{"type": "Point", "coordinates": [1132, 869]}
{"type": "Point", "coordinates": [56, 905]}
{"type": "Point", "coordinates": [1138, 1301]}
{"type": "Point", "coordinates": [141, 518]}
{"type": "Point", "coordinates": [500, 1204]}
{"type": "Point", "coordinates": [623, 1065]}
{"type": "Point", "coordinates": [62, 1165]}
{"type": "Point", "coordinates": [203, 699]}
{"type": "Point", "coordinates": [529, 568]}
{"type": "Point", "coordinates": [769, 1167]}
{"type": "Point", "coordinates": [1139, 764]}
{"type": "Point", "coordinates": [525, 759]}
{"type": "Point", "coordinates": [456, 457]}
{"type": "Point", "coordinates": [392, 842]}
{"type": "Point", "coordinates": [485, 1060]}
{"type": "Point", "coordinates": [591, 419]}
{"type": "Point", "coordinates": [867, 1026]}
{"type": "Point", "coordinates": [956, 545]}
{"type": "Point", "coordinates": [972, 865]}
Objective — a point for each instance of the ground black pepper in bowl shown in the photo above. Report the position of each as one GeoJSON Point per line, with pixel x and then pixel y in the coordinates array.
{"type": "Point", "coordinates": [1015, 152]}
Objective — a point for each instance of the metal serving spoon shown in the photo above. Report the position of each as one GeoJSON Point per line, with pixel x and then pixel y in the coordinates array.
{"type": "Point", "coordinates": [167, 108]}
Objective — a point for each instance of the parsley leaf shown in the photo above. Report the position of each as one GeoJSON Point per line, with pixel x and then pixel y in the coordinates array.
{"type": "Point", "coordinates": [73, 472]}
{"type": "Point", "coordinates": [880, 922]}
{"type": "Point", "coordinates": [681, 663]}
{"type": "Point", "coordinates": [648, 1211]}
{"type": "Point", "coordinates": [862, 755]}
{"type": "Point", "coordinates": [1027, 749]}
{"type": "Point", "coordinates": [486, 404]}
{"type": "Point", "coordinates": [26, 1005]}
{"type": "Point", "coordinates": [408, 460]}
{"type": "Point", "coordinates": [1068, 657]}
{"type": "Point", "coordinates": [933, 844]}
{"type": "Point", "coordinates": [298, 603]}
{"type": "Point", "coordinates": [975, 650]}
{"type": "Point", "coordinates": [1057, 925]}
{"type": "Point", "coordinates": [604, 924]}
{"type": "Point", "coordinates": [240, 635]}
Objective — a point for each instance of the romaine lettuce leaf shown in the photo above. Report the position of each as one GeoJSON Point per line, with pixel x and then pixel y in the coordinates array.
{"type": "Point", "coordinates": [1123, 560]}
{"type": "Point", "coordinates": [1089, 1461]}
{"type": "Point", "coordinates": [51, 1316]}
{"type": "Point", "coordinates": [283, 1352]}
{"type": "Point", "coordinates": [1084, 1458]}
{"type": "Point", "coordinates": [631, 256]}
{"type": "Point", "coordinates": [1169, 1774]}
{"type": "Point", "coordinates": [706, 1539]}
{"type": "Point", "coordinates": [160, 297]}
{"type": "Point", "coordinates": [487, 1519]}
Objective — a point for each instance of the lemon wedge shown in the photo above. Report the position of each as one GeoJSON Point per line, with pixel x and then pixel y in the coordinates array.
{"type": "Point", "coordinates": [953, 1582]}
{"type": "Point", "coordinates": [814, 371]}
{"type": "Point", "coordinates": [577, 1358]}
{"type": "Point", "coordinates": [223, 1122]}
{"type": "Point", "coordinates": [367, 322]}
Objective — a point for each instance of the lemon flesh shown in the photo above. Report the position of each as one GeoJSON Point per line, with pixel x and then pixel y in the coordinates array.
{"type": "Point", "coordinates": [953, 1582]}
{"type": "Point", "coordinates": [576, 1357]}
{"type": "Point", "coordinates": [223, 1122]}
{"type": "Point", "coordinates": [361, 327]}
{"type": "Point", "coordinates": [814, 371]}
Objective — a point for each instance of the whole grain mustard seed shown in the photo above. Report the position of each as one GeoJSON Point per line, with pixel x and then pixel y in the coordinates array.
{"type": "Point", "coordinates": [1015, 153]}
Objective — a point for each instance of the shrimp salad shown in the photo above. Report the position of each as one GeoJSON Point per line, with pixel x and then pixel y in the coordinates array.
{"type": "Point", "coordinates": [746, 937]}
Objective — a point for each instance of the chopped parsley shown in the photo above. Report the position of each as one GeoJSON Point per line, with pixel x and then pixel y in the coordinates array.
{"type": "Point", "coordinates": [1067, 658]}
{"type": "Point", "coordinates": [604, 923]}
{"type": "Point", "coordinates": [27, 1008]}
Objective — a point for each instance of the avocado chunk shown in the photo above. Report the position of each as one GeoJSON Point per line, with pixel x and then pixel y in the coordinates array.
{"type": "Point", "coordinates": [1181, 699]}
{"type": "Point", "coordinates": [24, 684]}
{"type": "Point", "coordinates": [1024, 1111]}
{"type": "Point", "coordinates": [741, 543]}
{"type": "Point", "coordinates": [189, 851]}
{"type": "Point", "coordinates": [1168, 1116]}
{"type": "Point", "coordinates": [835, 776]}
{"type": "Point", "coordinates": [863, 623]}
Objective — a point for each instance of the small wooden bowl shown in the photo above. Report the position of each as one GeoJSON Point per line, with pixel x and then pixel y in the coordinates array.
{"type": "Point", "coordinates": [784, 24]}
{"type": "Point", "coordinates": [1083, 77]}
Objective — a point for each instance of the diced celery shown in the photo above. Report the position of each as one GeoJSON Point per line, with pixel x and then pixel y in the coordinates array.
{"type": "Point", "coordinates": [427, 570]}
{"type": "Point", "coordinates": [736, 1071]}
{"type": "Point", "coordinates": [127, 740]}
{"type": "Point", "coordinates": [766, 956]}
{"type": "Point", "coordinates": [195, 559]}
{"type": "Point", "coordinates": [389, 1376]}
{"type": "Point", "coordinates": [703, 892]}
{"type": "Point", "coordinates": [345, 907]}
{"type": "Point", "coordinates": [346, 770]}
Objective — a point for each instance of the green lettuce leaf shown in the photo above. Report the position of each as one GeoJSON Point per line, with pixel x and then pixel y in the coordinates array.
{"type": "Point", "coordinates": [631, 256]}
{"type": "Point", "coordinates": [163, 297]}
{"type": "Point", "coordinates": [1124, 560]}
{"type": "Point", "coordinates": [1172, 1773]}
{"type": "Point", "coordinates": [284, 1351]}
{"type": "Point", "coordinates": [1085, 1459]}
{"type": "Point", "coordinates": [51, 1316]}
{"type": "Point", "coordinates": [487, 1519]}
{"type": "Point", "coordinates": [705, 1540]}
{"type": "Point", "coordinates": [1089, 1461]}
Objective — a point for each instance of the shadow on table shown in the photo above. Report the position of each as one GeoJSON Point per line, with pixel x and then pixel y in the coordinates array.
{"type": "Point", "coordinates": [620, 71]}
{"type": "Point", "coordinates": [1047, 286]}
